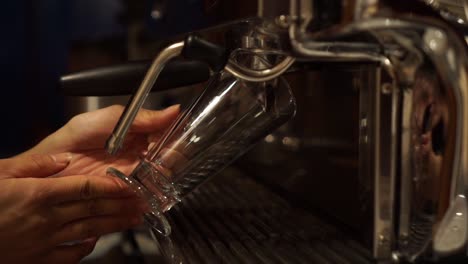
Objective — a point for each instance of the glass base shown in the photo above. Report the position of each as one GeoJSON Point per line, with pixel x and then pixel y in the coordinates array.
{"type": "Point", "coordinates": [155, 218]}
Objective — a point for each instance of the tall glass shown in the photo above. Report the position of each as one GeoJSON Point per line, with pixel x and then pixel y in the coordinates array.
{"type": "Point", "coordinates": [228, 118]}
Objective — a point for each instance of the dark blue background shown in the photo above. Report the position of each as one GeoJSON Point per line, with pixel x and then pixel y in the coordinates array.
{"type": "Point", "coordinates": [37, 36]}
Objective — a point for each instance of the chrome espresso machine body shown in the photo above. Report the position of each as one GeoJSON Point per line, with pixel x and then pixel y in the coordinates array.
{"type": "Point", "coordinates": [380, 140]}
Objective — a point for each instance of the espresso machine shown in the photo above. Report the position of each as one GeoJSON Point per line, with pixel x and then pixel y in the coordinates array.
{"type": "Point", "coordinates": [374, 166]}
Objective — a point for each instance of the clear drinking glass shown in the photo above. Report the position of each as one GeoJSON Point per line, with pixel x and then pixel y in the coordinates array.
{"type": "Point", "coordinates": [228, 118]}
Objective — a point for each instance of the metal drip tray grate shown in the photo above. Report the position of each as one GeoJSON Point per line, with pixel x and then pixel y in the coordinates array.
{"type": "Point", "coordinates": [233, 219]}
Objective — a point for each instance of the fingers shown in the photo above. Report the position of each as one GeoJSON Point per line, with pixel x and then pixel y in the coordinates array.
{"type": "Point", "coordinates": [35, 165]}
{"type": "Point", "coordinates": [154, 137]}
{"type": "Point", "coordinates": [148, 121]}
{"type": "Point", "coordinates": [73, 211]}
{"type": "Point", "coordinates": [171, 161]}
{"type": "Point", "coordinates": [75, 188]}
{"type": "Point", "coordinates": [71, 254]}
{"type": "Point", "coordinates": [95, 226]}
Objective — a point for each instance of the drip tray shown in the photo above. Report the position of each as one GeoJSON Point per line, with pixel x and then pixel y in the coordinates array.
{"type": "Point", "coordinates": [233, 219]}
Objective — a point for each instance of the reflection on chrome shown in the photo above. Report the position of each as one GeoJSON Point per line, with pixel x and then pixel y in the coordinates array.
{"type": "Point", "coordinates": [428, 65]}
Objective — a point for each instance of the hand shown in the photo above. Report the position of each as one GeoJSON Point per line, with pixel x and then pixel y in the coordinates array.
{"type": "Point", "coordinates": [85, 136]}
{"type": "Point", "coordinates": [40, 213]}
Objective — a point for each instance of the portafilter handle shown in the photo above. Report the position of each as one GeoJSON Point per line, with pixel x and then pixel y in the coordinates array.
{"type": "Point", "coordinates": [123, 79]}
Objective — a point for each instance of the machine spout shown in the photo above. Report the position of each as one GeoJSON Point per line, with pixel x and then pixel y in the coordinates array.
{"type": "Point", "coordinates": [115, 141]}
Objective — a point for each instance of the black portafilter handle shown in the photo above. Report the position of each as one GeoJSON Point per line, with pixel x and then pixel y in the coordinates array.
{"type": "Point", "coordinates": [201, 56]}
{"type": "Point", "coordinates": [198, 49]}
{"type": "Point", "coordinates": [124, 79]}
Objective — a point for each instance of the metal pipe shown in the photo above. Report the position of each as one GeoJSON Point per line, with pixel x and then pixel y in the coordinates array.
{"type": "Point", "coordinates": [259, 75]}
{"type": "Point", "coordinates": [115, 141]}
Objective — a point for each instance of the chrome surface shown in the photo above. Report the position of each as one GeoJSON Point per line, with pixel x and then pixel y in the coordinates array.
{"type": "Point", "coordinates": [452, 233]}
{"type": "Point", "coordinates": [115, 141]}
{"type": "Point", "coordinates": [412, 44]}
{"type": "Point", "coordinates": [259, 75]}
{"type": "Point", "coordinates": [385, 169]}
{"type": "Point", "coordinates": [454, 10]}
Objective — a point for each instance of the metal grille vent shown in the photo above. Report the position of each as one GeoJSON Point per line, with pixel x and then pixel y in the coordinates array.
{"type": "Point", "coordinates": [236, 220]}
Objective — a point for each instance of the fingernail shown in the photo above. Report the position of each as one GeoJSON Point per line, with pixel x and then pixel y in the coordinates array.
{"type": "Point", "coordinates": [154, 137]}
{"type": "Point", "coordinates": [172, 108]}
{"type": "Point", "coordinates": [172, 159]}
{"type": "Point", "coordinates": [151, 145]}
{"type": "Point", "coordinates": [124, 188]}
{"type": "Point", "coordinates": [62, 158]}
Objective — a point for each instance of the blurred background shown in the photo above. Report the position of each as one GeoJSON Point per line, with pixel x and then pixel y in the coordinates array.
{"type": "Point", "coordinates": [45, 39]}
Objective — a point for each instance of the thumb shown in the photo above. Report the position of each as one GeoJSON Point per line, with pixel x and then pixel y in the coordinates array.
{"type": "Point", "coordinates": [36, 165]}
